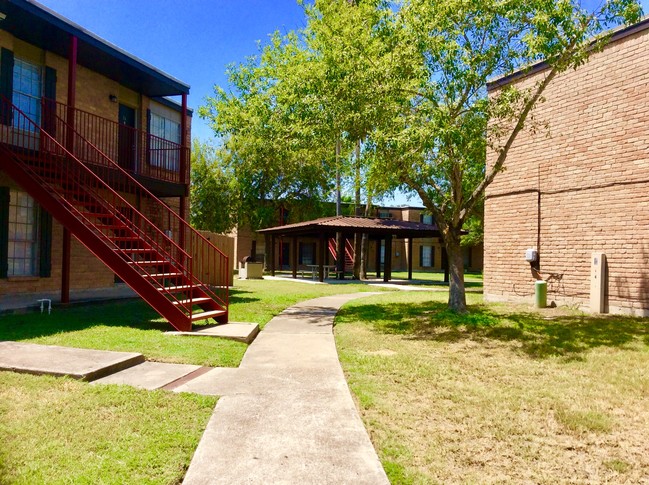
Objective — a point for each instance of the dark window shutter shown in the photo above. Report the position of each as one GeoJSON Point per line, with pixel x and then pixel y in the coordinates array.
{"type": "Point", "coordinates": [432, 256]}
{"type": "Point", "coordinates": [4, 231]}
{"type": "Point", "coordinates": [6, 84]}
{"type": "Point", "coordinates": [148, 136]}
{"type": "Point", "coordinates": [421, 218]}
{"type": "Point", "coordinates": [49, 105]}
{"type": "Point", "coordinates": [45, 246]}
{"type": "Point", "coordinates": [421, 256]}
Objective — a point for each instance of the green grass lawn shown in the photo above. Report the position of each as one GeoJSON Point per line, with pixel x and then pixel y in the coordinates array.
{"type": "Point", "coordinates": [56, 430]}
{"type": "Point", "coordinates": [503, 395]}
{"type": "Point", "coordinates": [472, 281]}
{"type": "Point", "coordinates": [132, 326]}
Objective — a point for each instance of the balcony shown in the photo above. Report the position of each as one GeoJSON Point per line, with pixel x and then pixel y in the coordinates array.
{"type": "Point", "coordinates": [154, 161]}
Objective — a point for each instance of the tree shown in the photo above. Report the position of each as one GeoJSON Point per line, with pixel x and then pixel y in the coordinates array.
{"type": "Point", "coordinates": [213, 191]}
{"type": "Point", "coordinates": [436, 145]}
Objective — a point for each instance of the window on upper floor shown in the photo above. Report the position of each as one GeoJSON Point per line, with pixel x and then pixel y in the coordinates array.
{"type": "Point", "coordinates": [27, 91]}
{"type": "Point", "coordinates": [426, 219]}
{"type": "Point", "coordinates": [162, 153]}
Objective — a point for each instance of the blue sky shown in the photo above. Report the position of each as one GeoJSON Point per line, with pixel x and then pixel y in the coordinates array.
{"type": "Point", "coordinates": [193, 40]}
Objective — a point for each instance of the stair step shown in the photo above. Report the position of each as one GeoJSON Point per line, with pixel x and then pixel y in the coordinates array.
{"type": "Point", "coordinates": [125, 238]}
{"type": "Point", "coordinates": [177, 289]}
{"type": "Point", "coordinates": [209, 314]}
{"type": "Point", "coordinates": [136, 250]}
{"type": "Point", "coordinates": [149, 263]}
{"type": "Point", "coordinates": [194, 301]}
{"type": "Point", "coordinates": [163, 275]}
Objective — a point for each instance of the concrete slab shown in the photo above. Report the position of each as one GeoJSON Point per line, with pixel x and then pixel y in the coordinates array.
{"type": "Point", "coordinates": [149, 375]}
{"type": "Point", "coordinates": [241, 332]}
{"type": "Point", "coordinates": [54, 360]}
{"type": "Point", "coordinates": [286, 414]}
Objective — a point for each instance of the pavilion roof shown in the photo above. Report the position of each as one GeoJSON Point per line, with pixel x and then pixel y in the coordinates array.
{"type": "Point", "coordinates": [353, 225]}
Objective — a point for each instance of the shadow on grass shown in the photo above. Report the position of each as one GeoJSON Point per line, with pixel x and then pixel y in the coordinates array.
{"type": "Point", "coordinates": [536, 334]}
{"type": "Point", "coordinates": [132, 313]}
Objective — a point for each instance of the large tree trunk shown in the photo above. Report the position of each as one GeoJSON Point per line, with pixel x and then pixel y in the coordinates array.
{"type": "Point", "coordinates": [456, 290]}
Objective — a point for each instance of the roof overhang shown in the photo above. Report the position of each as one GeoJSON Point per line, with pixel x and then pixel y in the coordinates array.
{"type": "Point", "coordinates": [327, 226]}
{"type": "Point", "coordinates": [38, 25]}
{"type": "Point", "coordinates": [617, 34]}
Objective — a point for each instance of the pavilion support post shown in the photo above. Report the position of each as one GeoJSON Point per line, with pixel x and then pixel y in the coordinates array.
{"type": "Point", "coordinates": [387, 271]}
{"type": "Point", "coordinates": [378, 258]}
{"type": "Point", "coordinates": [340, 256]}
{"type": "Point", "coordinates": [294, 250]}
{"type": "Point", "coordinates": [321, 255]}
{"type": "Point", "coordinates": [272, 255]}
{"type": "Point", "coordinates": [410, 257]}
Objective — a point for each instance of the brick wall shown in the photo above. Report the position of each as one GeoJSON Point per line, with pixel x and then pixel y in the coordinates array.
{"type": "Point", "coordinates": [580, 186]}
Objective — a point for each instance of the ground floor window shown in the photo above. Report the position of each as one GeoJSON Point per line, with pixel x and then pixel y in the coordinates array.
{"type": "Point", "coordinates": [426, 256]}
{"type": "Point", "coordinates": [307, 253]}
{"type": "Point", "coordinates": [23, 235]}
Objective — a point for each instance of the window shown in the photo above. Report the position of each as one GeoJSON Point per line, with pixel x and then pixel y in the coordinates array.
{"type": "Point", "coordinates": [162, 153]}
{"type": "Point", "coordinates": [27, 84]}
{"type": "Point", "coordinates": [427, 256]}
{"type": "Point", "coordinates": [426, 219]}
{"type": "Point", "coordinates": [382, 260]}
{"type": "Point", "coordinates": [385, 215]}
{"type": "Point", "coordinates": [307, 251]}
{"type": "Point", "coordinates": [23, 250]}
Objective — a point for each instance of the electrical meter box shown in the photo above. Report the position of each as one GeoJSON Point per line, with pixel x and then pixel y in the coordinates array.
{"type": "Point", "coordinates": [531, 255]}
{"type": "Point", "coordinates": [598, 283]}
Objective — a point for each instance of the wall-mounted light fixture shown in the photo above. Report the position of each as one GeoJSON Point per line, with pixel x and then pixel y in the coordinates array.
{"type": "Point", "coordinates": [113, 98]}
{"type": "Point", "coordinates": [2, 16]}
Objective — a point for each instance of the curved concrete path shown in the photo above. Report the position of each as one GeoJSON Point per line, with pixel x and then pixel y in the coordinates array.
{"type": "Point", "coordinates": [286, 415]}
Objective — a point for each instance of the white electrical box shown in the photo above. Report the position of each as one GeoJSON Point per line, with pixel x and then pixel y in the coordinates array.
{"type": "Point", "coordinates": [598, 283]}
{"type": "Point", "coordinates": [531, 255]}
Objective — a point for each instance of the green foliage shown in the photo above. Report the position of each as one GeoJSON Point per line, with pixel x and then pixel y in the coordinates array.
{"type": "Point", "coordinates": [409, 78]}
{"type": "Point", "coordinates": [214, 200]}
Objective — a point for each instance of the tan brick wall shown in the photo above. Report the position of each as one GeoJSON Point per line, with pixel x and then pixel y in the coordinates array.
{"type": "Point", "coordinates": [591, 169]}
{"type": "Point", "coordinates": [92, 95]}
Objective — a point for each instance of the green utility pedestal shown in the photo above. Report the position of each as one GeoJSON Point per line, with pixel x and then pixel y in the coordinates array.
{"type": "Point", "coordinates": [541, 294]}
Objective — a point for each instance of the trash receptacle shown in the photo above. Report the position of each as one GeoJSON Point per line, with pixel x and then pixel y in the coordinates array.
{"type": "Point", "coordinates": [541, 294]}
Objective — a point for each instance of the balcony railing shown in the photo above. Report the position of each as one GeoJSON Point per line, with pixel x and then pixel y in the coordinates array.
{"type": "Point", "coordinates": [136, 151]}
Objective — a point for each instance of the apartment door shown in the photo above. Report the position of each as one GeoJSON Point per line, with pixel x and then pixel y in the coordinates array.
{"type": "Point", "coordinates": [126, 138]}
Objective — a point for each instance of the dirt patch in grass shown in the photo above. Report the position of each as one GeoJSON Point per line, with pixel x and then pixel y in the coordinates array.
{"type": "Point", "coordinates": [502, 395]}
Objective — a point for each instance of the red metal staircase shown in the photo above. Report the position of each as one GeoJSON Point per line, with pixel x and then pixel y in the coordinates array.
{"type": "Point", "coordinates": [175, 273]}
{"type": "Point", "coordinates": [349, 253]}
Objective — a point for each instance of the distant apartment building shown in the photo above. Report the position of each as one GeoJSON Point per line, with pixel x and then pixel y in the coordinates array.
{"type": "Point", "coordinates": [428, 253]}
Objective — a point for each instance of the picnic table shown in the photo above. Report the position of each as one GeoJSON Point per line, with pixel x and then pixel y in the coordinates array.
{"type": "Point", "coordinates": [327, 269]}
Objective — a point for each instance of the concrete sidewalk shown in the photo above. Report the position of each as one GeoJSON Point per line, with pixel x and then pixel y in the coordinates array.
{"type": "Point", "coordinates": [286, 414]}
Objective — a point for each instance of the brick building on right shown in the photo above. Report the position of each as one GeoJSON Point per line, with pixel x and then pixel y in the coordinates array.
{"type": "Point", "coordinates": [580, 186]}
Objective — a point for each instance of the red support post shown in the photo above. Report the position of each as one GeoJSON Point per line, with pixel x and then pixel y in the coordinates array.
{"type": "Point", "coordinates": [183, 167]}
{"type": "Point", "coordinates": [69, 142]}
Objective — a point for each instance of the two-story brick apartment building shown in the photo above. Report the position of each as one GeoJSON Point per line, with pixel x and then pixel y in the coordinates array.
{"type": "Point", "coordinates": [94, 171]}
{"type": "Point", "coordinates": [427, 254]}
{"type": "Point", "coordinates": [580, 188]}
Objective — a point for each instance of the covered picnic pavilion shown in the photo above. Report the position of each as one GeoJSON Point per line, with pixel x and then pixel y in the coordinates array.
{"type": "Point", "coordinates": [327, 227]}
